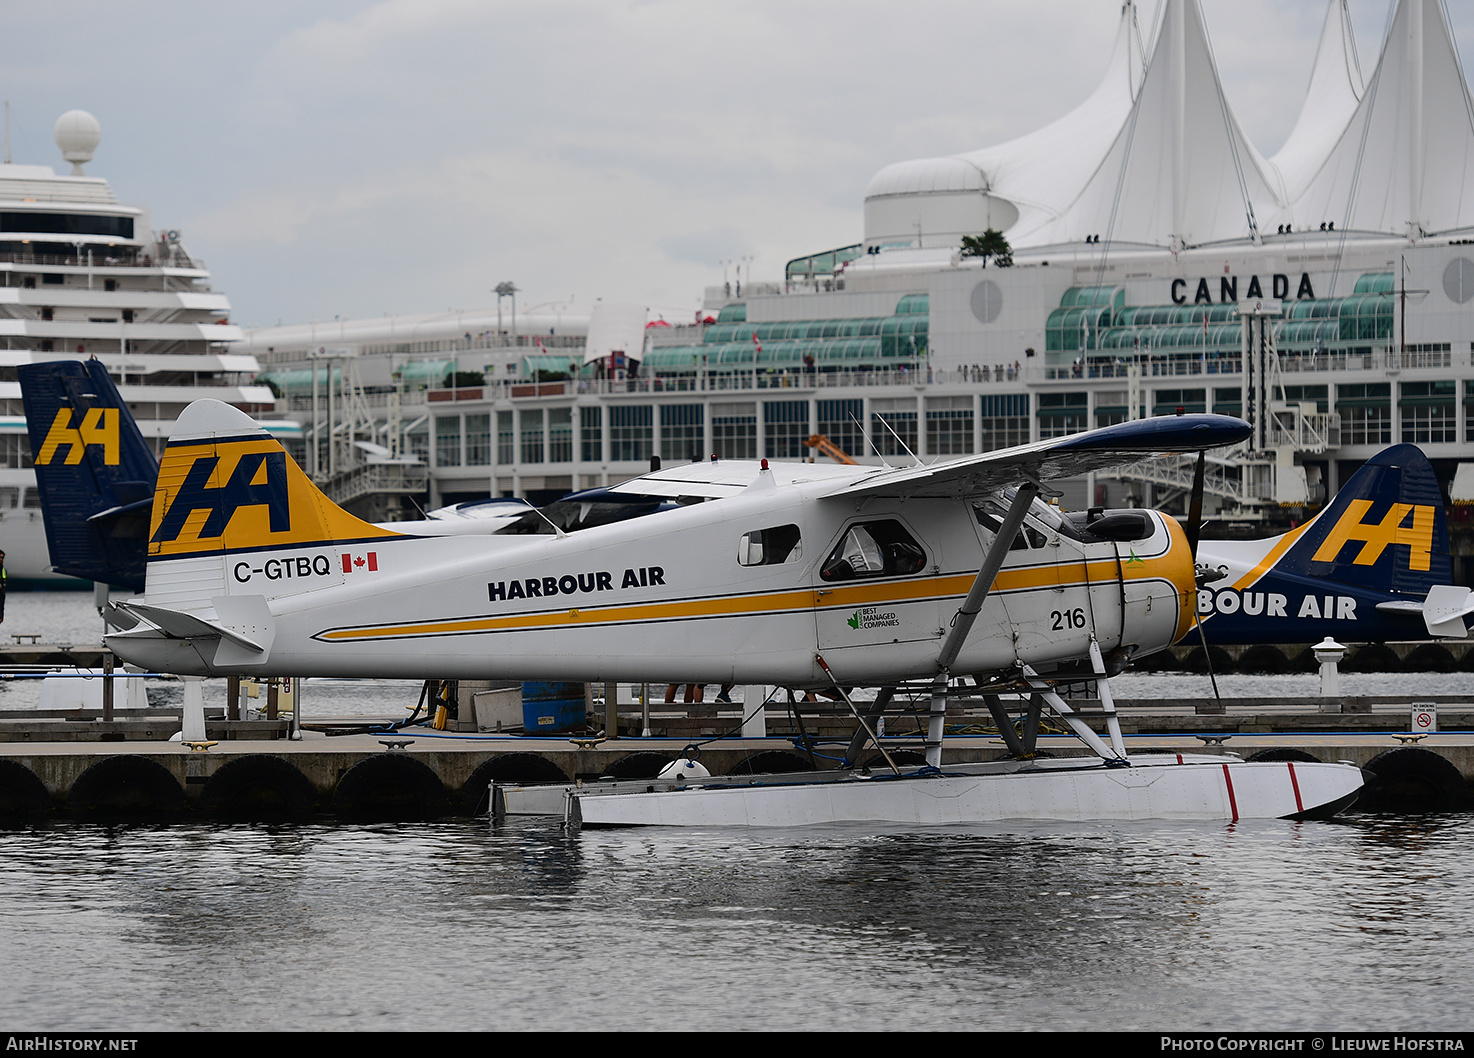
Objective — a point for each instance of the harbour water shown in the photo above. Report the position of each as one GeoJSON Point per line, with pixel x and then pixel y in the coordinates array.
{"type": "Point", "coordinates": [1357, 925]}
{"type": "Point", "coordinates": [1360, 925]}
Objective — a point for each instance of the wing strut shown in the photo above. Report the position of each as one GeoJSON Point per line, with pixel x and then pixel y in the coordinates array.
{"type": "Point", "coordinates": [866, 731]}
{"type": "Point", "coordinates": [971, 606]}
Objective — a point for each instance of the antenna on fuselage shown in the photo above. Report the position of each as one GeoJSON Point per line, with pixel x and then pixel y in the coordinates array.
{"type": "Point", "coordinates": [874, 450]}
{"type": "Point", "coordinates": [539, 512]}
{"type": "Point", "coordinates": [900, 442]}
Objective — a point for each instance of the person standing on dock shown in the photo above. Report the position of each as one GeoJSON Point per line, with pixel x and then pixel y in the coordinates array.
{"type": "Point", "coordinates": [3, 578]}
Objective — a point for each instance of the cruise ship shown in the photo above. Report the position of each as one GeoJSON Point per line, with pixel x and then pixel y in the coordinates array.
{"type": "Point", "coordinates": [1158, 261]}
{"type": "Point", "coordinates": [82, 275]}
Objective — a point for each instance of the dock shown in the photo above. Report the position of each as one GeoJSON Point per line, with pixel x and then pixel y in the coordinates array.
{"type": "Point", "coordinates": [82, 766]}
{"type": "Point", "coordinates": [117, 762]}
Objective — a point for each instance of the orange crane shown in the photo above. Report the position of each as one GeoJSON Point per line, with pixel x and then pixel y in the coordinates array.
{"type": "Point", "coordinates": [829, 448]}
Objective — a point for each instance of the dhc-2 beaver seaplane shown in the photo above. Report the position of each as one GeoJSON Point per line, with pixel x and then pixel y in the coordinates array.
{"type": "Point", "coordinates": [800, 575]}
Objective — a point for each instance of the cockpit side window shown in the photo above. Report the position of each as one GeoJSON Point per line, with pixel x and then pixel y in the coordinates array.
{"type": "Point", "coordinates": [990, 516]}
{"type": "Point", "coordinates": [874, 549]}
{"type": "Point", "coordinates": [770, 547]}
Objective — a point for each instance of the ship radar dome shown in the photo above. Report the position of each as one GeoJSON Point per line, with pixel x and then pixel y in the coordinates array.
{"type": "Point", "coordinates": [77, 135]}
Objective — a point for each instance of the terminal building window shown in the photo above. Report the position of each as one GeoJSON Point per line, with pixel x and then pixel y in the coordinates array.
{"type": "Point", "coordinates": [1366, 413]}
{"type": "Point", "coordinates": [785, 428]}
{"type": "Point", "coordinates": [532, 435]}
{"type": "Point", "coordinates": [682, 433]}
{"type": "Point", "coordinates": [1306, 394]}
{"type": "Point", "coordinates": [1468, 408]}
{"type": "Point", "coordinates": [416, 442]}
{"type": "Point", "coordinates": [893, 426]}
{"type": "Point", "coordinates": [447, 440]}
{"type": "Point", "coordinates": [590, 434]}
{"type": "Point", "coordinates": [560, 435]}
{"type": "Point", "coordinates": [506, 439]}
{"type": "Point", "coordinates": [1429, 414]}
{"type": "Point", "coordinates": [478, 440]}
{"type": "Point", "coordinates": [631, 433]}
{"type": "Point", "coordinates": [1005, 420]}
{"type": "Point", "coordinates": [1229, 400]}
{"type": "Point", "coordinates": [1167, 401]}
{"type": "Point", "coordinates": [734, 430]}
{"type": "Point", "coordinates": [839, 420]}
{"type": "Point", "coordinates": [949, 426]}
{"type": "Point", "coordinates": [1061, 414]}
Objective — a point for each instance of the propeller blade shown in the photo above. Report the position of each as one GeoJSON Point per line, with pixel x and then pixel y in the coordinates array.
{"type": "Point", "coordinates": [1195, 507]}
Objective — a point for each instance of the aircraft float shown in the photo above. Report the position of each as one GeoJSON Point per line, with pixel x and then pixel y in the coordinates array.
{"type": "Point", "coordinates": [800, 575]}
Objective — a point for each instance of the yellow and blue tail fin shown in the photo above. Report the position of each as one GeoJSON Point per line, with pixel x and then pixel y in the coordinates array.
{"type": "Point", "coordinates": [94, 471]}
{"type": "Point", "coordinates": [226, 485]}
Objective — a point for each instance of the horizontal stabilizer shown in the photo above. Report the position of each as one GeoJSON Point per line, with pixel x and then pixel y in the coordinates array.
{"type": "Point", "coordinates": [138, 508]}
{"type": "Point", "coordinates": [177, 624]}
{"type": "Point", "coordinates": [1443, 611]}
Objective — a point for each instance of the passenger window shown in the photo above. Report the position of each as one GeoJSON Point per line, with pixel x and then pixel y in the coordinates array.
{"type": "Point", "coordinates": [874, 549]}
{"type": "Point", "coordinates": [770, 547]}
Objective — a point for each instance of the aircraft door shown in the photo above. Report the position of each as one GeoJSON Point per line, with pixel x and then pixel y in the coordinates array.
{"type": "Point", "coordinates": [873, 588]}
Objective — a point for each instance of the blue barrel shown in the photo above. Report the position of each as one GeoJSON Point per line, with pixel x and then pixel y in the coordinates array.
{"type": "Point", "coordinates": [552, 708]}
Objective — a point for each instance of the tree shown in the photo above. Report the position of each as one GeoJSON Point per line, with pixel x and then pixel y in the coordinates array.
{"type": "Point", "coordinates": [989, 244]}
{"type": "Point", "coordinates": [464, 379]}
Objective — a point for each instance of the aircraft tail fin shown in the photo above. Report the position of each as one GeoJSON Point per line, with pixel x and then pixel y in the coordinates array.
{"type": "Point", "coordinates": [94, 471]}
{"type": "Point", "coordinates": [226, 485]}
{"type": "Point", "coordinates": [1385, 530]}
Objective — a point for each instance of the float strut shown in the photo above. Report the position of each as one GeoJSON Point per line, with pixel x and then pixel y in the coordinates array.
{"type": "Point", "coordinates": [1107, 702]}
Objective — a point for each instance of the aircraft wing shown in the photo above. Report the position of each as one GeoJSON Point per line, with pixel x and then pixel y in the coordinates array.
{"type": "Point", "coordinates": [1058, 457]}
{"type": "Point", "coordinates": [731, 477]}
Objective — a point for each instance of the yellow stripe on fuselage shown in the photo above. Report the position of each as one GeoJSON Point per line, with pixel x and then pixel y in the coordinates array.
{"type": "Point", "coordinates": [1008, 582]}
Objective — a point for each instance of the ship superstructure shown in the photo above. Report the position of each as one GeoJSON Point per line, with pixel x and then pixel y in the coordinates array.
{"type": "Point", "coordinates": [82, 275]}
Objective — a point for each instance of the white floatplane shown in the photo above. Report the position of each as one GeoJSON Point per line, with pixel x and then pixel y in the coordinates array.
{"type": "Point", "coordinates": [799, 575]}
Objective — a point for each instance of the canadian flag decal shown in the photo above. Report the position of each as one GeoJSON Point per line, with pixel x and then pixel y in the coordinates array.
{"type": "Point", "coordinates": [368, 560]}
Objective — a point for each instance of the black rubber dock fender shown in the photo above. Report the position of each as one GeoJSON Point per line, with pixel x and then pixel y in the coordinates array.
{"type": "Point", "coordinates": [126, 786]}
{"type": "Point", "coordinates": [23, 796]}
{"type": "Point", "coordinates": [772, 762]}
{"type": "Point", "coordinates": [1413, 779]}
{"type": "Point", "coordinates": [389, 787]}
{"type": "Point", "coordinates": [258, 787]}
{"type": "Point", "coordinates": [903, 758]}
{"type": "Point", "coordinates": [1298, 756]}
{"type": "Point", "coordinates": [646, 764]}
{"type": "Point", "coordinates": [506, 768]}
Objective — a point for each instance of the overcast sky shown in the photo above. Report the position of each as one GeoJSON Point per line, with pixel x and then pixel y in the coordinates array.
{"type": "Point", "coordinates": [344, 157]}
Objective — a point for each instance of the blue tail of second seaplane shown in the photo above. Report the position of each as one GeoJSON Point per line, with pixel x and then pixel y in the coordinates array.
{"type": "Point", "coordinates": [1373, 565]}
{"type": "Point", "coordinates": [94, 470]}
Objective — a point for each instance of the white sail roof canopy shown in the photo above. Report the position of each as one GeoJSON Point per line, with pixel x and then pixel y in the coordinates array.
{"type": "Point", "coordinates": [1335, 90]}
{"type": "Point", "coordinates": [1023, 182]}
{"type": "Point", "coordinates": [1404, 163]}
{"type": "Point", "coordinates": [1181, 172]}
{"type": "Point", "coordinates": [1161, 160]}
